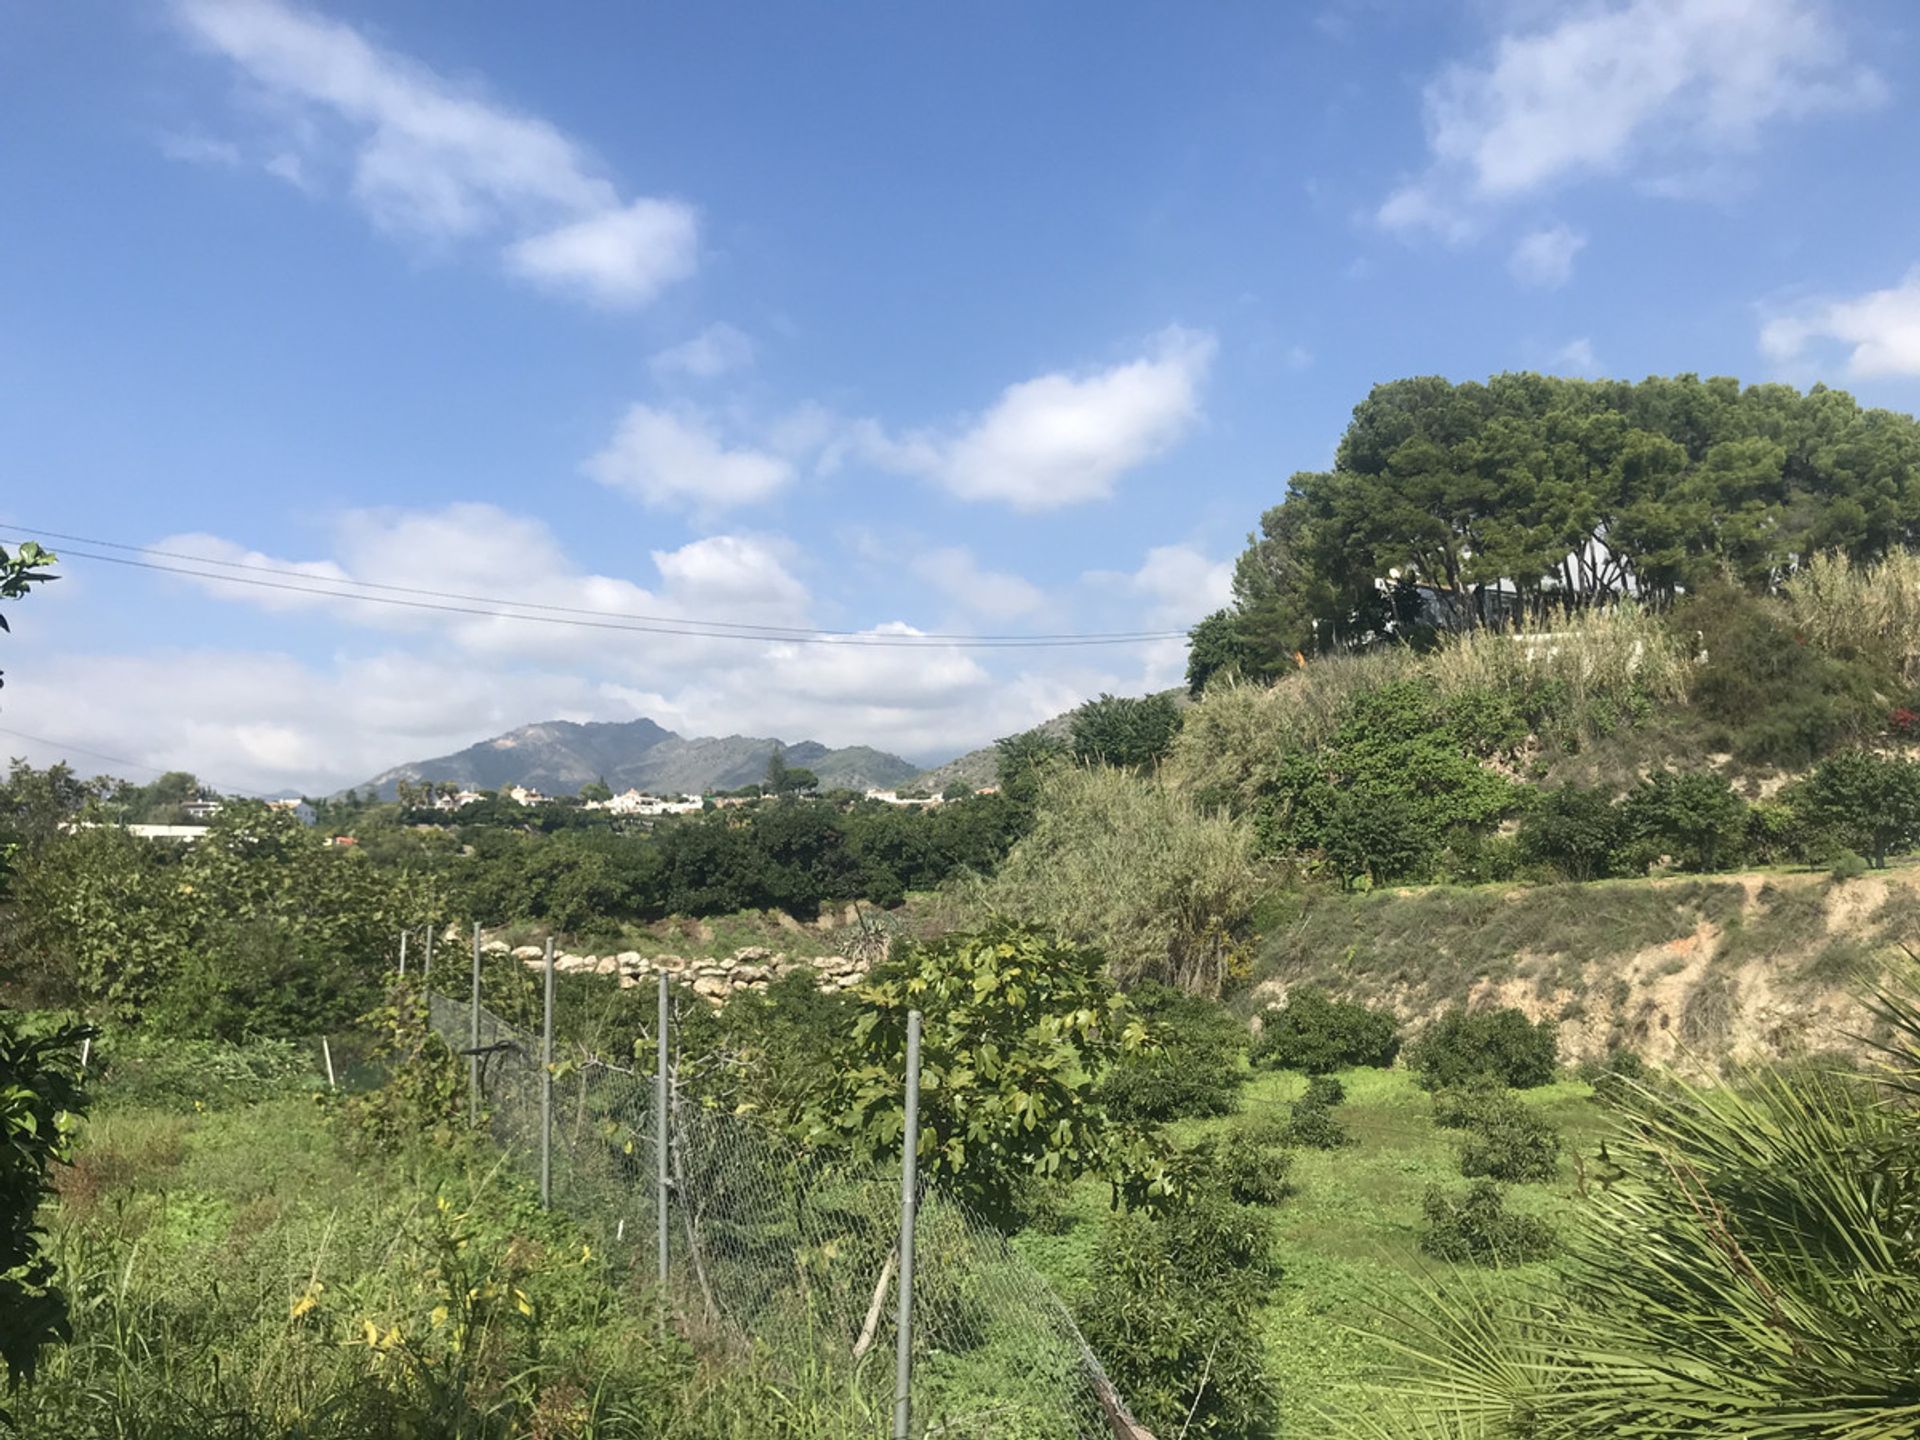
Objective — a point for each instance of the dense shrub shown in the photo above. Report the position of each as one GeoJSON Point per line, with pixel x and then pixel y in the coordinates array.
{"type": "Point", "coordinates": [1510, 1142]}
{"type": "Point", "coordinates": [1576, 831]}
{"type": "Point", "coordinates": [1866, 802]}
{"type": "Point", "coordinates": [1468, 1106]}
{"type": "Point", "coordinates": [1190, 1066]}
{"type": "Point", "coordinates": [1463, 1047]}
{"type": "Point", "coordinates": [1171, 1308]}
{"type": "Point", "coordinates": [1253, 1172]}
{"type": "Point", "coordinates": [1311, 1123]}
{"type": "Point", "coordinates": [1325, 1090]}
{"type": "Point", "coordinates": [1123, 862]}
{"type": "Point", "coordinates": [1692, 818]}
{"type": "Point", "coordinates": [1121, 730]}
{"type": "Point", "coordinates": [1315, 1033]}
{"type": "Point", "coordinates": [40, 1094]}
{"type": "Point", "coordinates": [1475, 1227]}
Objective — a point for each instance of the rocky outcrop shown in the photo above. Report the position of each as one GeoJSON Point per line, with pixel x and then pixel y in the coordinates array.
{"type": "Point", "coordinates": [753, 967]}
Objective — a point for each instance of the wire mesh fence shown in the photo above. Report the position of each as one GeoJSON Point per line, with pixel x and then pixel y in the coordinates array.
{"type": "Point", "coordinates": [794, 1257]}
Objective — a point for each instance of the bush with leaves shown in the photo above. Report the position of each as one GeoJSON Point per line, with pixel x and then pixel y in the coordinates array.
{"type": "Point", "coordinates": [1316, 1033]}
{"type": "Point", "coordinates": [1745, 1268]}
{"type": "Point", "coordinates": [1311, 1123]}
{"type": "Point", "coordinates": [1468, 1047]}
{"type": "Point", "coordinates": [1692, 818]}
{"type": "Point", "coordinates": [1509, 1141]}
{"type": "Point", "coordinates": [1252, 1171]}
{"type": "Point", "coordinates": [40, 1096]}
{"type": "Point", "coordinates": [1120, 730]}
{"type": "Point", "coordinates": [1577, 832]}
{"type": "Point", "coordinates": [424, 1095]}
{"type": "Point", "coordinates": [1474, 1227]}
{"type": "Point", "coordinates": [1171, 1310]}
{"type": "Point", "coordinates": [1189, 1065]}
{"type": "Point", "coordinates": [1123, 862]}
{"type": "Point", "coordinates": [1866, 802]}
{"type": "Point", "coordinates": [1017, 1031]}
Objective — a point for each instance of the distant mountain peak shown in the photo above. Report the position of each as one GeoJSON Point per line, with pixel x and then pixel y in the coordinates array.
{"type": "Point", "coordinates": [559, 756]}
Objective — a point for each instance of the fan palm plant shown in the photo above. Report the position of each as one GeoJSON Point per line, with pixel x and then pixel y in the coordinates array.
{"type": "Point", "coordinates": [1752, 1272]}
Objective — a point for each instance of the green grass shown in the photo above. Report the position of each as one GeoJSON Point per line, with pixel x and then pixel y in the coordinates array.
{"type": "Point", "coordinates": [243, 1272]}
{"type": "Point", "coordinates": [1347, 1239]}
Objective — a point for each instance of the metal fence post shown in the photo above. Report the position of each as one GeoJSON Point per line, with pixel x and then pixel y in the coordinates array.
{"type": "Point", "coordinates": [909, 1205]}
{"type": "Point", "coordinates": [426, 965]}
{"type": "Point", "coordinates": [546, 1089]}
{"type": "Point", "coordinates": [403, 953]}
{"type": "Point", "coordinates": [473, 1035]}
{"type": "Point", "coordinates": [660, 1138]}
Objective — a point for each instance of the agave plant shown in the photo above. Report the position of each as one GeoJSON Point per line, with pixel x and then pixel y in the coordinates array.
{"type": "Point", "coordinates": [1751, 1271]}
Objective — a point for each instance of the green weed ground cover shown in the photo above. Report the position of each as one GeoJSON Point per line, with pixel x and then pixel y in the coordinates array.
{"type": "Point", "coordinates": [1346, 1239]}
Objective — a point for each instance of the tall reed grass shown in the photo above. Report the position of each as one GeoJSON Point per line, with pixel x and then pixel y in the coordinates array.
{"type": "Point", "coordinates": [1581, 676]}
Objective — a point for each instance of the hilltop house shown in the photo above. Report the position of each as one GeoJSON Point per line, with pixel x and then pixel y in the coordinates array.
{"type": "Point", "coordinates": [299, 809]}
{"type": "Point", "coordinates": [638, 802]}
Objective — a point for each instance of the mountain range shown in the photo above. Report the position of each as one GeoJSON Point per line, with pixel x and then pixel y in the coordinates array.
{"type": "Point", "coordinates": [559, 756]}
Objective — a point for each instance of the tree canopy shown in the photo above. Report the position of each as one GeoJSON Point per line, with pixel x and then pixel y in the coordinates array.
{"type": "Point", "coordinates": [1466, 503]}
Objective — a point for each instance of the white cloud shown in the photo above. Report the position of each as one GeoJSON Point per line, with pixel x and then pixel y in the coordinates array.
{"type": "Point", "coordinates": [1544, 258]}
{"type": "Point", "coordinates": [430, 158]}
{"type": "Point", "coordinates": [201, 150]}
{"type": "Point", "coordinates": [618, 257]}
{"type": "Point", "coordinates": [1182, 584]}
{"type": "Point", "coordinates": [730, 572]}
{"type": "Point", "coordinates": [955, 573]}
{"type": "Point", "coordinates": [1576, 357]}
{"type": "Point", "coordinates": [1606, 86]}
{"type": "Point", "coordinates": [1882, 328]}
{"type": "Point", "coordinates": [674, 459]}
{"type": "Point", "coordinates": [715, 351]}
{"type": "Point", "coordinates": [1062, 439]}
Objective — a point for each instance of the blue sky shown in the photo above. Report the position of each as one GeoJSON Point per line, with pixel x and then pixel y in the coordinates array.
{"type": "Point", "coordinates": [999, 318]}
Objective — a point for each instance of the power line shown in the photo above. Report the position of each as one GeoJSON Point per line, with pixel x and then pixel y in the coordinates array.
{"type": "Point", "coordinates": [486, 606]}
{"type": "Point", "coordinates": [67, 745]}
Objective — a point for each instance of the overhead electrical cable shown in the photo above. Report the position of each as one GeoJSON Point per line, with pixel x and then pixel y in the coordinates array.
{"type": "Point", "coordinates": [330, 587]}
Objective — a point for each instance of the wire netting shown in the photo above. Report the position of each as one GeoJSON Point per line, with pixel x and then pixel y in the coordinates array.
{"type": "Point", "coordinates": [793, 1256]}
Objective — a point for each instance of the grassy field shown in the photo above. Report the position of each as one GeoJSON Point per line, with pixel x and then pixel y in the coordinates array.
{"type": "Point", "coordinates": [1347, 1238]}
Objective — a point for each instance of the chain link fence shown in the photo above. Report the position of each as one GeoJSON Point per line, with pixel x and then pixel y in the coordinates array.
{"type": "Point", "coordinates": [793, 1257]}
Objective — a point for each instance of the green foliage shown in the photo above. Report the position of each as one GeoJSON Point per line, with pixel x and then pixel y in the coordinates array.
{"type": "Point", "coordinates": [1774, 698]}
{"type": "Point", "coordinates": [1315, 1127]}
{"type": "Point", "coordinates": [1315, 1033]}
{"type": "Point", "coordinates": [1474, 1227]}
{"type": "Point", "coordinates": [1215, 647]}
{"type": "Point", "coordinates": [142, 1068]}
{"type": "Point", "coordinates": [1122, 862]}
{"type": "Point", "coordinates": [1252, 1172]}
{"type": "Point", "coordinates": [1868, 802]}
{"type": "Point", "coordinates": [40, 1098]}
{"type": "Point", "coordinates": [1324, 1090]}
{"type": "Point", "coordinates": [259, 928]}
{"type": "Point", "coordinates": [423, 1096]}
{"type": "Point", "coordinates": [1531, 494]}
{"type": "Point", "coordinates": [1189, 1065]}
{"type": "Point", "coordinates": [1693, 818]}
{"type": "Point", "coordinates": [1577, 832]}
{"type": "Point", "coordinates": [1171, 1309]}
{"type": "Point", "coordinates": [26, 567]}
{"type": "Point", "coordinates": [1017, 1031]}
{"type": "Point", "coordinates": [1121, 730]}
{"type": "Point", "coordinates": [1381, 794]}
{"type": "Point", "coordinates": [1465, 1047]}
{"type": "Point", "coordinates": [1506, 1140]}
{"type": "Point", "coordinates": [1745, 1269]}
